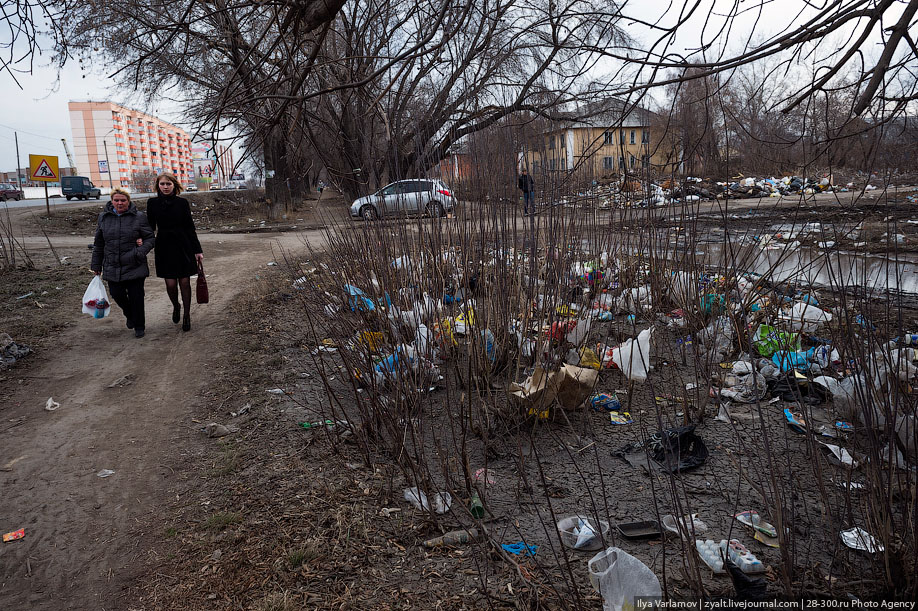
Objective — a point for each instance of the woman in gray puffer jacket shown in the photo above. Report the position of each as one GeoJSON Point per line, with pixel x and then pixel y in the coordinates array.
{"type": "Point", "coordinates": [123, 240]}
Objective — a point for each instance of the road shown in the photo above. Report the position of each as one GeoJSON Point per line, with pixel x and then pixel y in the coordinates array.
{"type": "Point", "coordinates": [56, 201]}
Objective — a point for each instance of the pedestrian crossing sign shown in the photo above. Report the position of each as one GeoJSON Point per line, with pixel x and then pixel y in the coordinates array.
{"type": "Point", "coordinates": [44, 168]}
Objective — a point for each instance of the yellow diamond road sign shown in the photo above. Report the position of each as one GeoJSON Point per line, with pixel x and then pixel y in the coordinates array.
{"type": "Point", "coordinates": [44, 168]}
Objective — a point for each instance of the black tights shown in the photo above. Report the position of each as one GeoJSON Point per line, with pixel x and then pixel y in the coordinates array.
{"type": "Point", "coordinates": [172, 286]}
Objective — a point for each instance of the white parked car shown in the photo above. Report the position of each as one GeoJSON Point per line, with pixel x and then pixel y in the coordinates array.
{"type": "Point", "coordinates": [403, 197]}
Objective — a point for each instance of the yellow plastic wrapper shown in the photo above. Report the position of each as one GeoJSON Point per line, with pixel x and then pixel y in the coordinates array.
{"type": "Point", "coordinates": [589, 359]}
{"type": "Point", "coordinates": [443, 332]}
{"type": "Point", "coordinates": [373, 340]}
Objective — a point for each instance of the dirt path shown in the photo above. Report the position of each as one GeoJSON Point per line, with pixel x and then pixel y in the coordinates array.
{"type": "Point", "coordinates": [86, 536]}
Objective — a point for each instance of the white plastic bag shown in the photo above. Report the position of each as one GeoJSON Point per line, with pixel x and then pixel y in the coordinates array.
{"type": "Point", "coordinates": [620, 578]}
{"type": "Point", "coordinates": [95, 299]}
{"type": "Point", "coordinates": [418, 498]}
{"type": "Point", "coordinates": [633, 356]}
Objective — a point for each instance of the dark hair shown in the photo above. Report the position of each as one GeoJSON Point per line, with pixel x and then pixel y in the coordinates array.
{"type": "Point", "coordinates": [177, 187]}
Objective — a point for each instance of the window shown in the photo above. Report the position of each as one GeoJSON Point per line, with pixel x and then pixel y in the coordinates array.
{"type": "Point", "coordinates": [551, 143]}
{"type": "Point", "coordinates": [536, 166]}
{"type": "Point", "coordinates": [645, 161]}
{"type": "Point", "coordinates": [632, 136]}
{"type": "Point", "coordinates": [425, 185]}
{"type": "Point", "coordinates": [553, 164]}
{"type": "Point", "coordinates": [564, 163]}
{"type": "Point", "coordinates": [621, 137]}
{"type": "Point", "coordinates": [632, 160]}
{"type": "Point", "coordinates": [645, 136]}
{"type": "Point", "coordinates": [608, 163]}
{"type": "Point", "coordinates": [621, 163]}
{"type": "Point", "coordinates": [609, 137]}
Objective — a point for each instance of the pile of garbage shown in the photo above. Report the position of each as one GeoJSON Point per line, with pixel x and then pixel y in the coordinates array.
{"type": "Point", "coordinates": [548, 353]}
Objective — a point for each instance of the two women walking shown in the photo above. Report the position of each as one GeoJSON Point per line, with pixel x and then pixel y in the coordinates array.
{"type": "Point", "coordinates": [124, 237]}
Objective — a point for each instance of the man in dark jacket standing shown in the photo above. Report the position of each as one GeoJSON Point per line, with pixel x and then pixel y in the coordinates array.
{"type": "Point", "coordinates": [527, 186]}
{"type": "Point", "coordinates": [123, 240]}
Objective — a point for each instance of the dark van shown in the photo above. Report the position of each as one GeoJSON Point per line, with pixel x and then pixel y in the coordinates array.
{"type": "Point", "coordinates": [79, 187]}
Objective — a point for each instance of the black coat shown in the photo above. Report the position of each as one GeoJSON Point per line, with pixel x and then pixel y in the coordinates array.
{"type": "Point", "coordinates": [115, 252]}
{"type": "Point", "coordinates": [176, 240]}
{"type": "Point", "coordinates": [525, 183]}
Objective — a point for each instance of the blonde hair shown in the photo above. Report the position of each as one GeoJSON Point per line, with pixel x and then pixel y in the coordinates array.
{"type": "Point", "coordinates": [120, 191]}
{"type": "Point", "coordinates": [177, 188]}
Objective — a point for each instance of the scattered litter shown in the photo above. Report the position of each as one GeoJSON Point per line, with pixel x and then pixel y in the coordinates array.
{"type": "Point", "coordinates": [753, 520]}
{"type": "Point", "coordinates": [10, 351]}
{"type": "Point", "coordinates": [12, 536]}
{"type": "Point", "coordinates": [122, 381]}
{"type": "Point", "coordinates": [570, 386]}
{"type": "Point", "coordinates": [453, 537]}
{"type": "Point", "coordinates": [686, 527]}
{"type": "Point", "coordinates": [620, 418]}
{"type": "Point", "coordinates": [322, 423]}
{"type": "Point", "coordinates": [647, 529]}
{"type": "Point", "coordinates": [385, 512]}
{"type": "Point", "coordinates": [520, 549]}
{"type": "Point", "coordinates": [673, 450]}
{"type": "Point", "coordinates": [214, 429]}
{"type": "Point", "coordinates": [418, 498]}
{"type": "Point", "coordinates": [795, 421]}
{"type": "Point", "coordinates": [275, 391]}
{"type": "Point", "coordinates": [243, 410]}
{"type": "Point", "coordinates": [105, 473]}
{"type": "Point", "coordinates": [621, 579]}
{"type": "Point", "coordinates": [484, 475]}
{"type": "Point", "coordinates": [29, 294]}
{"type": "Point", "coordinates": [603, 401]}
{"type": "Point", "coordinates": [841, 455]}
{"type": "Point", "coordinates": [51, 405]}
{"type": "Point", "coordinates": [583, 533]}
{"type": "Point", "coordinates": [859, 539]}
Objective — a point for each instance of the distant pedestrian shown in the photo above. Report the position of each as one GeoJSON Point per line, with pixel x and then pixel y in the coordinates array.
{"type": "Point", "coordinates": [178, 250]}
{"type": "Point", "coordinates": [527, 186]}
{"type": "Point", "coordinates": [123, 240]}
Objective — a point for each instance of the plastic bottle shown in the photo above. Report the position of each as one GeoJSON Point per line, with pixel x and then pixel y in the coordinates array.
{"type": "Point", "coordinates": [453, 537]}
{"type": "Point", "coordinates": [476, 507]}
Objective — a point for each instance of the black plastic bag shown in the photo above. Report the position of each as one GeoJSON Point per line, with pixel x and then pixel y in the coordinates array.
{"type": "Point", "coordinates": [674, 450]}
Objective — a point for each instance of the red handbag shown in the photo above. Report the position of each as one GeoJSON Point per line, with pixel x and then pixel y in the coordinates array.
{"type": "Point", "coordinates": [201, 292]}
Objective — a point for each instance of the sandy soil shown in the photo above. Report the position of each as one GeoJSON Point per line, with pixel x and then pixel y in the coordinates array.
{"type": "Point", "coordinates": [87, 536]}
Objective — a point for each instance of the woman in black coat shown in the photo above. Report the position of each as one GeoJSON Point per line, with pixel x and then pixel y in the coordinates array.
{"type": "Point", "coordinates": [178, 250]}
{"type": "Point", "coordinates": [121, 261]}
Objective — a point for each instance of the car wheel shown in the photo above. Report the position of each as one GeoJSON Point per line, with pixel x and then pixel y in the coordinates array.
{"type": "Point", "coordinates": [99, 196]}
{"type": "Point", "coordinates": [369, 213]}
{"type": "Point", "coordinates": [435, 210]}
{"type": "Point", "coordinates": [18, 197]}
{"type": "Point", "coordinates": [68, 198]}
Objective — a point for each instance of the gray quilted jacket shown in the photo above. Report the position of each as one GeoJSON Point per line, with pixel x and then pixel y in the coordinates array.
{"type": "Point", "coordinates": [115, 252]}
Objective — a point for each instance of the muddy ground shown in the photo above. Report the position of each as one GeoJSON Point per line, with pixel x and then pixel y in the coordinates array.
{"type": "Point", "coordinates": [276, 516]}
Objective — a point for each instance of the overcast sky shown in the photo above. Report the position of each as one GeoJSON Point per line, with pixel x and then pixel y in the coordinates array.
{"type": "Point", "coordinates": [39, 111]}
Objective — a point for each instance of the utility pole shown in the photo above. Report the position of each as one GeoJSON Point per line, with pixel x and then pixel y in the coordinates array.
{"type": "Point", "coordinates": [108, 164]}
{"type": "Point", "coordinates": [18, 177]}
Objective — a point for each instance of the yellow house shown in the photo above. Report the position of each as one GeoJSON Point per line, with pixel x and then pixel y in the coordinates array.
{"type": "Point", "coordinates": [603, 144]}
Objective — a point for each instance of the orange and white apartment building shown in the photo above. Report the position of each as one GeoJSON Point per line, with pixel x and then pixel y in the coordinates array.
{"type": "Point", "coordinates": [135, 142]}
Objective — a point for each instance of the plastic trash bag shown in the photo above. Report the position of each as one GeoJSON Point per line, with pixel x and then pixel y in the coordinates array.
{"type": "Point", "coordinates": [418, 498]}
{"type": "Point", "coordinates": [673, 450]}
{"type": "Point", "coordinates": [632, 356]}
{"type": "Point", "coordinates": [806, 317]}
{"type": "Point", "coordinates": [95, 299]}
{"type": "Point", "coordinates": [747, 388]}
{"type": "Point", "coordinates": [579, 333]}
{"type": "Point", "coordinates": [768, 340]}
{"type": "Point", "coordinates": [619, 578]}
